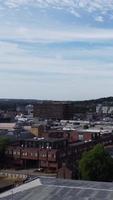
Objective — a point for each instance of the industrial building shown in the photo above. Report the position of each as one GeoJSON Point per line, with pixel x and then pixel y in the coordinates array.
{"type": "Point", "coordinates": [54, 110]}
{"type": "Point", "coordinates": [49, 154]}
{"type": "Point", "coordinates": [58, 189]}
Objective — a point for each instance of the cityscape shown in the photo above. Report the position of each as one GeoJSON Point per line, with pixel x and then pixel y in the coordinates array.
{"type": "Point", "coordinates": [56, 99]}
{"type": "Point", "coordinates": [47, 139]}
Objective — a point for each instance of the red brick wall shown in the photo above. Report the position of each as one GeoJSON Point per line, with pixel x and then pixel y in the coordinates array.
{"type": "Point", "coordinates": [74, 136]}
{"type": "Point", "coordinates": [52, 155]}
{"type": "Point", "coordinates": [30, 153]}
{"type": "Point", "coordinates": [87, 136]}
{"type": "Point", "coordinates": [43, 154]}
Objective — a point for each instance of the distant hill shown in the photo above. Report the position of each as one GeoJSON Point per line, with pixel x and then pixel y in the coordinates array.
{"type": "Point", "coordinates": [32, 101]}
{"type": "Point", "coordinates": [97, 101]}
{"type": "Point", "coordinates": [11, 104]}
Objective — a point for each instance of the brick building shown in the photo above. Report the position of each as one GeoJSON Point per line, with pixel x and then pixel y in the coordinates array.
{"type": "Point", "coordinates": [44, 153]}
{"type": "Point", "coordinates": [49, 154]}
{"type": "Point", "coordinates": [53, 110]}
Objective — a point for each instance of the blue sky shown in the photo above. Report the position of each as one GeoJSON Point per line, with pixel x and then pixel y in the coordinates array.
{"type": "Point", "coordinates": [56, 49]}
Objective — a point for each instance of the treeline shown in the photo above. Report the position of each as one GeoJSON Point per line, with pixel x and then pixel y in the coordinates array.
{"type": "Point", "coordinates": [79, 106]}
{"type": "Point", "coordinates": [12, 104]}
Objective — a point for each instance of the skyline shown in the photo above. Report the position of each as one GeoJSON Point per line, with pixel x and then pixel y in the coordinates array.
{"type": "Point", "coordinates": [57, 50]}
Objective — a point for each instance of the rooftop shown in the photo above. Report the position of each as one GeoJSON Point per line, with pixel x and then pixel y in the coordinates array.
{"type": "Point", "coordinates": [89, 131]}
{"type": "Point", "coordinates": [45, 139]}
{"type": "Point", "coordinates": [59, 189]}
{"type": "Point", "coordinates": [8, 126]}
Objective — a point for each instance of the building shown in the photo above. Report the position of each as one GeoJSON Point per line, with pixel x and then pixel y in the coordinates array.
{"type": "Point", "coordinates": [89, 134]}
{"type": "Point", "coordinates": [47, 154]}
{"type": "Point", "coordinates": [37, 130]}
{"type": "Point", "coordinates": [60, 189]}
{"type": "Point", "coordinates": [53, 110]}
{"type": "Point", "coordinates": [64, 172]}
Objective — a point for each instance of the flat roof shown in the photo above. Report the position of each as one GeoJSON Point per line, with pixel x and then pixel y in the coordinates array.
{"type": "Point", "coordinates": [60, 189]}
{"type": "Point", "coordinates": [7, 125]}
{"type": "Point", "coordinates": [89, 130]}
{"type": "Point", "coordinates": [45, 139]}
{"type": "Point", "coordinates": [80, 143]}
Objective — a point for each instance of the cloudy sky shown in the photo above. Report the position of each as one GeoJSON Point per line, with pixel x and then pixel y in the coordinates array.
{"type": "Point", "coordinates": [56, 49]}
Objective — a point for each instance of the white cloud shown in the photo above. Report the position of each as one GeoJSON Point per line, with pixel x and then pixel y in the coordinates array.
{"type": "Point", "coordinates": [15, 59]}
{"type": "Point", "coordinates": [99, 19]}
{"type": "Point", "coordinates": [26, 74]}
{"type": "Point", "coordinates": [101, 6]}
{"type": "Point", "coordinates": [49, 35]}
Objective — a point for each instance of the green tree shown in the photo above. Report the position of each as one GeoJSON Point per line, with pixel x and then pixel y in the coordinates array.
{"type": "Point", "coordinates": [96, 165]}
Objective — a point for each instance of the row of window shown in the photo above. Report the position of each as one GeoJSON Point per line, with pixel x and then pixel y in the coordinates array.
{"type": "Point", "coordinates": [30, 154]}
{"type": "Point", "coordinates": [44, 155]}
{"type": "Point", "coordinates": [44, 144]}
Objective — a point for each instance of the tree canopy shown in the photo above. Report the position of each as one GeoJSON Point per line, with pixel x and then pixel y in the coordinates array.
{"type": "Point", "coordinates": [96, 165]}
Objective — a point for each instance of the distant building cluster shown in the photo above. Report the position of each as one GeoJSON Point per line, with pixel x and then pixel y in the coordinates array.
{"type": "Point", "coordinates": [51, 136]}
{"type": "Point", "coordinates": [104, 109]}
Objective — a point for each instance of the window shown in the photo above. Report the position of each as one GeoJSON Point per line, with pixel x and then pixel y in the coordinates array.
{"type": "Point", "coordinates": [43, 155]}
{"type": "Point", "coordinates": [49, 155]}
{"type": "Point", "coordinates": [14, 152]}
{"type": "Point", "coordinates": [24, 153]}
{"type": "Point", "coordinates": [36, 154]}
{"type": "Point", "coordinates": [54, 155]}
{"type": "Point", "coordinates": [18, 153]}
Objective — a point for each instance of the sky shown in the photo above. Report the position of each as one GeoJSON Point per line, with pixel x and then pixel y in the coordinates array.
{"type": "Point", "coordinates": [56, 49]}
